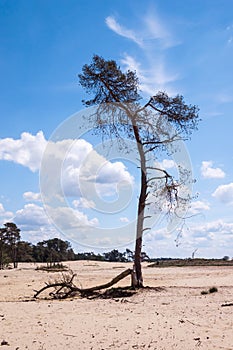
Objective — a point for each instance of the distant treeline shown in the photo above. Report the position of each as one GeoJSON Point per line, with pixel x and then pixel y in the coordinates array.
{"type": "Point", "coordinates": [57, 250]}
{"type": "Point", "coordinates": [13, 250]}
{"type": "Point", "coordinates": [168, 262]}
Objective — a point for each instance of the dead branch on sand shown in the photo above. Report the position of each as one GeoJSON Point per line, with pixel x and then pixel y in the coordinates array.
{"type": "Point", "coordinates": [66, 288]}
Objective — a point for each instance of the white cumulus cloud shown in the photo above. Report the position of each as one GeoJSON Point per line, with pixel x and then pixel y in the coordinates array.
{"type": "Point", "coordinates": [124, 219]}
{"type": "Point", "coordinates": [198, 207]}
{"type": "Point", "coordinates": [85, 168]}
{"type": "Point", "coordinates": [209, 172]}
{"type": "Point", "coordinates": [67, 218]}
{"type": "Point", "coordinates": [32, 196]}
{"type": "Point", "coordinates": [5, 215]}
{"type": "Point", "coordinates": [224, 193]}
{"type": "Point", "coordinates": [168, 164]}
{"type": "Point", "coordinates": [26, 151]}
{"type": "Point", "coordinates": [212, 239]}
{"type": "Point", "coordinates": [33, 219]}
{"type": "Point", "coordinates": [76, 158]}
{"type": "Point", "coordinates": [215, 228]}
{"type": "Point", "coordinates": [83, 203]}
{"type": "Point", "coordinates": [31, 215]}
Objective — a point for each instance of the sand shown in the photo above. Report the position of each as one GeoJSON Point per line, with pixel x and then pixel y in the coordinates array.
{"type": "Point", "coordinates": [173, 316]}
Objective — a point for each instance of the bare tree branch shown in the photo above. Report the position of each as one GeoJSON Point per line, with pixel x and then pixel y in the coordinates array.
{"type": "Point", "coordinates": [66, 288]}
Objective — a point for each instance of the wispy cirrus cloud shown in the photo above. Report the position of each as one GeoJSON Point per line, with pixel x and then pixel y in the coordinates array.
{"type": "Point", "coordinates": [153, 78]}
{"type": "Point", "coordinates": [156, 29]}
{"type": "Point", "coordinates": [151, 28]}
{"type": "Point", "coordinates": [122, 31]}
{"type": "Point", "coordinates": [153, 36]}
{"type": "Point", "coordinates": [224, 97]}
{"type": "Point", "coordinates": [229, 30]}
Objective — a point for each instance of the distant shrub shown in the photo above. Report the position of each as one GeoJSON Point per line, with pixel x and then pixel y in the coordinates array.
{"type": "Point", "coordinates": [204, 292]}
{"type": "Point", "coordinates": [226, 258]}
{"type": "Point", "coordinates": [53, 268]}
{"type": "Point", "coordinates": [213, 290]}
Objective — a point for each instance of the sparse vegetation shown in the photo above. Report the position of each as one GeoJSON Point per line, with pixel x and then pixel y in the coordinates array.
{"type": "Point", "coordinates": [210, 291]}
{"type": "Point", "coordinates": [226, 258]}
{"type": "Point", "coordinates": [204, 292]}
{"type": "Point", "coordinates": [53, 267]}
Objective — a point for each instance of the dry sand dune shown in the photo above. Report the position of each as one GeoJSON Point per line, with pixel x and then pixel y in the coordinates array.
{"type": "Point", "coordinates": [175, 316]}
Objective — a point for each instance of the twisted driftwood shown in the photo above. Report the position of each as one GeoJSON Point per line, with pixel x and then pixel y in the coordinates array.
{"type": "Point", "coordinates": [66, 288]}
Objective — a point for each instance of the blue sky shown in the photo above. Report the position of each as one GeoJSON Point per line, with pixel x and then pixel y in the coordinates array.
{"type": "Point", "coordinates": [178, 47]}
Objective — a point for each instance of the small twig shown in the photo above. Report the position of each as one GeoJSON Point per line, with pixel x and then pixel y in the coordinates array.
{"type": "Point", "coordinates": [198, 341]}
{"type": "Point", "coordinates": [224, 305]}
{"type": "Point", "coordinates": [194, 324]}
{"type": "Point", "coordinates": [70, 335]}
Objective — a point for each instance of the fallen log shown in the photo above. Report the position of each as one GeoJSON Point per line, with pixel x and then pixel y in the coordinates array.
{"type": "Point", "coordinates": [109, 284]}
{"type": "Point", "coordinates": [67, 288]}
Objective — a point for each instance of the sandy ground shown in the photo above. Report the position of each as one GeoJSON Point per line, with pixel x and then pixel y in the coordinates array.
{"type": "Point", "coordinates": [176, 316]}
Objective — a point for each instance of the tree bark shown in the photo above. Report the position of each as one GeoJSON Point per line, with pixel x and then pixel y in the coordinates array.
{"type": "Point", "coordinates": [139, 231]}
{"type": "Point", "coordinates": [141, 209]}
{"type": "Point", "coordinates": [1, 256]}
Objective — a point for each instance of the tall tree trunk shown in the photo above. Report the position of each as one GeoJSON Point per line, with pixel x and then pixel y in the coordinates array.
{"type": "Point", "coordinates": [139, 232]}
{"type": "Point", "coordinates": [141, 210]}
{"type": "Point", "coordinates": [14, 256]}
{"type": "Point", "coordinates": [1, 255]}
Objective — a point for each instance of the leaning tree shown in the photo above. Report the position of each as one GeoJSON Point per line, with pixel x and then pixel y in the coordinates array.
{"type": "Point", "coordinates": [151, 125]}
